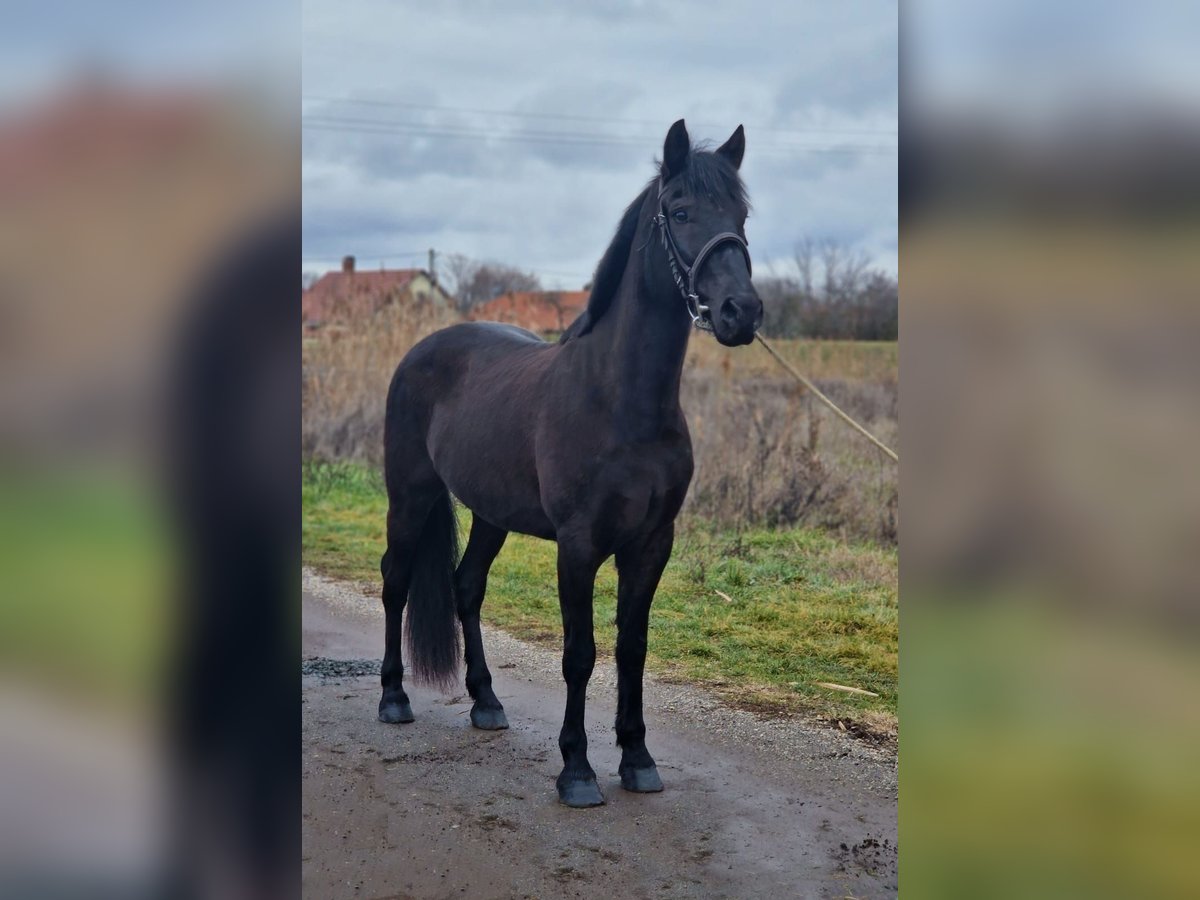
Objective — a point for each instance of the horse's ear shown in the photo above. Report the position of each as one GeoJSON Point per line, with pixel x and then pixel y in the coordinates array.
{"type": "Point", "coordinates": [734, 148]}
{"type": "Point", "coordinates": [675, 150]}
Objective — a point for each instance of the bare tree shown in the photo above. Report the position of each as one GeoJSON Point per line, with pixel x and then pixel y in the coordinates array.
{"type": "Point", "coordinates": [835, 293]}
{"type": "Point", "coordinates": [805, 253]}
{"type": "Point", "coordinates": [555, 300]}
{"type": "Point", "coordinates": [473, 282]}
{"type": "Point", "coordinates": [844, 272]}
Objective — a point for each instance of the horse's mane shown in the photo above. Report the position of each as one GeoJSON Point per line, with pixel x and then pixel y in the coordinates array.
{"type": "Point", "coordinates": [608, 273]}
{"type": "Point", "coordinates": [705, 173]}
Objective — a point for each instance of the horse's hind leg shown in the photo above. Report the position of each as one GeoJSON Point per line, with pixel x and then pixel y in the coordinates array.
{"type": "Point", "coordinates": [470, 582]}
{"type": "Point", "coordinates": [406, 517]}
{"type": "Point", "coordinates": [639, 567]}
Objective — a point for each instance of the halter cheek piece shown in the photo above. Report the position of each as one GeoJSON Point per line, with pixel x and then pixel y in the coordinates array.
{"type": "Point", "coordinates": [701, 315]}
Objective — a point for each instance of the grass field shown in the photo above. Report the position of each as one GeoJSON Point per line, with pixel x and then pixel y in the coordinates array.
{"type": "Point", "coordinates": [786, 460]}
{"type": "Point", "coordinates": [803, 606]}
{"type": "Point", "coordinates": [856, 361]}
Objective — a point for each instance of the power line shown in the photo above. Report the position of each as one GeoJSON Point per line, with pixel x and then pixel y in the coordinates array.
{"type": "Point", "coordinates": [364, 260]}
{"type": "Point", "coordinates": [384, 127]}
{"type": "Point", "coordinates": [559, 274]}
{"type": "Point", "coordinates": [364, 257]}
{"type": "Point", "coordinates": [403, 104]}
{"type": "Point", "coordinates": [591, 137]}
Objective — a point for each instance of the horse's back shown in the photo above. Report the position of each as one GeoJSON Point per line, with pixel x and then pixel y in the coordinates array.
{"type": "Point", "coordinates": [471, 338]}
{"type": "Point", "coordinates": [439, 363]}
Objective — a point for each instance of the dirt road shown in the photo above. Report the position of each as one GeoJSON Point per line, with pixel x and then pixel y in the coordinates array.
{"type": "Point", "coordinates": [752, 808]}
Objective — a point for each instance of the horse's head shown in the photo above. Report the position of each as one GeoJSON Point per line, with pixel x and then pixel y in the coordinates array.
{"type": "Point", "coordinates": [701, 212]}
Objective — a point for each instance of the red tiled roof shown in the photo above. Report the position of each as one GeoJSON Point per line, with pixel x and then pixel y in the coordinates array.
{"type": "Point", "coordinates": [542, 311]}
{"type": "Point", "coordinates": [349, 295]}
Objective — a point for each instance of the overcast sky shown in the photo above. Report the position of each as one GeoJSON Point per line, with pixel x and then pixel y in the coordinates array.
{"type": "Point", "coordinates": [519, 131]}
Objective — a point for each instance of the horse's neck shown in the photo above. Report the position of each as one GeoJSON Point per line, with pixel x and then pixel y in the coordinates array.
{"type": "Point", "coordinates": [645, 345]}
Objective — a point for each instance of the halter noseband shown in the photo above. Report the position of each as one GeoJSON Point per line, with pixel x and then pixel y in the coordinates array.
{"type": "Point", "coordinates": [701, 315]}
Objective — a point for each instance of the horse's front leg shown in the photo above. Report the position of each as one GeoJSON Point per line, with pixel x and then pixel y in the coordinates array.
{"type": "Point", "coordinates": [639, 565]}
{"type": "Point", "coordinates": [577, 566]}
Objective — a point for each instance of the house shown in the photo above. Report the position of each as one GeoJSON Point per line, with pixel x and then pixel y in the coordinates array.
{"type": "Point", "coordinates": [545, 312]}
{"type": "Point", "coordinates": [351, 293]}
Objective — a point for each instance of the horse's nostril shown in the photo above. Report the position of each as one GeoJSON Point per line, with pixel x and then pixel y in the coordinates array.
{"type": "Point", "coordinates": [730, 311]}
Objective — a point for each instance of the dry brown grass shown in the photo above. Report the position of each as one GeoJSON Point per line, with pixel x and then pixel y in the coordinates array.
{"type": "Point", "coordinates": [856, 361]}
{"type": "Point", "coordinates": [765, 453]}
{"type": "Point", "coordinates": [346, 372]}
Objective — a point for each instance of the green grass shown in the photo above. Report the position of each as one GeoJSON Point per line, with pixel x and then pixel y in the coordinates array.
{"type": "Point", "coordinates": [805, 607]}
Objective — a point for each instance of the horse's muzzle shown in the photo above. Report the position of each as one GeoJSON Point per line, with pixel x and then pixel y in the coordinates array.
{"type": "Point", "coordinates": [736, 319]}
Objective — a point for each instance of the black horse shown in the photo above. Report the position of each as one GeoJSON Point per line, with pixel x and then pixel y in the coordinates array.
{"type": "Point", "coordinates": [581, 442]}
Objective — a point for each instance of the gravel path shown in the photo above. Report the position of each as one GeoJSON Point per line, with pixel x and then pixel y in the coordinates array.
{"type": "Point", "coordinates": [753, 807]}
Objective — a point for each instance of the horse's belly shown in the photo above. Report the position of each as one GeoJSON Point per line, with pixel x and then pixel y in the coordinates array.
{"type": "Point", "coordinates": [531, 522]}
{"type": "Point", "coordinates": [492, 473]}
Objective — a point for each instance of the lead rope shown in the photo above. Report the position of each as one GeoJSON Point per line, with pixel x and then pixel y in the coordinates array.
{"type": "Point", "coordinates": [820, 396]}
{"type": "Point", "coordinates": [697, 310]}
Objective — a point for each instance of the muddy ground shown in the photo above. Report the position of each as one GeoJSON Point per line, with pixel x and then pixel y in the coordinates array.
{"type": "Point", "coordinates": [437, 809]}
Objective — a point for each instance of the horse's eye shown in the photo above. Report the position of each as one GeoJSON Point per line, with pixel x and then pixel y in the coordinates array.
{"type": "Point", "coordinates": [680, 215]}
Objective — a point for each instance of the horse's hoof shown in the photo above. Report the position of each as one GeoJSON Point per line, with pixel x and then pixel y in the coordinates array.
{"type": "Point", "coordinates": [488, 719]}
{"type": "Point", "coordinates": [641, 781]}
{"type": "Point", "coordinates": [580, 794]}
{"type": "Point", "coordinates": [394, 713]}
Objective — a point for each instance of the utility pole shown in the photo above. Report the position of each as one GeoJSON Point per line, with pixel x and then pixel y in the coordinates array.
{"type": "Point", "coordinates": [433, 265]}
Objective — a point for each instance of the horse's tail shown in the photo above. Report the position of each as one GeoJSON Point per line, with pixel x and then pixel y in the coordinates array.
{"type": "Point", "coordinates": [431, 626]}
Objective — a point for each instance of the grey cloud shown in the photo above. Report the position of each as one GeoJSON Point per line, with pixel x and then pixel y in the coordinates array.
{"type": "Point", "coordinates": [551, 205]}
{"type": "Point", "coordinates": [858, 78]}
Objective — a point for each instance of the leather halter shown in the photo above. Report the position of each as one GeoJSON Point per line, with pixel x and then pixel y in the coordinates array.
{"type": "Point", "coordinates": [700, 313]}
